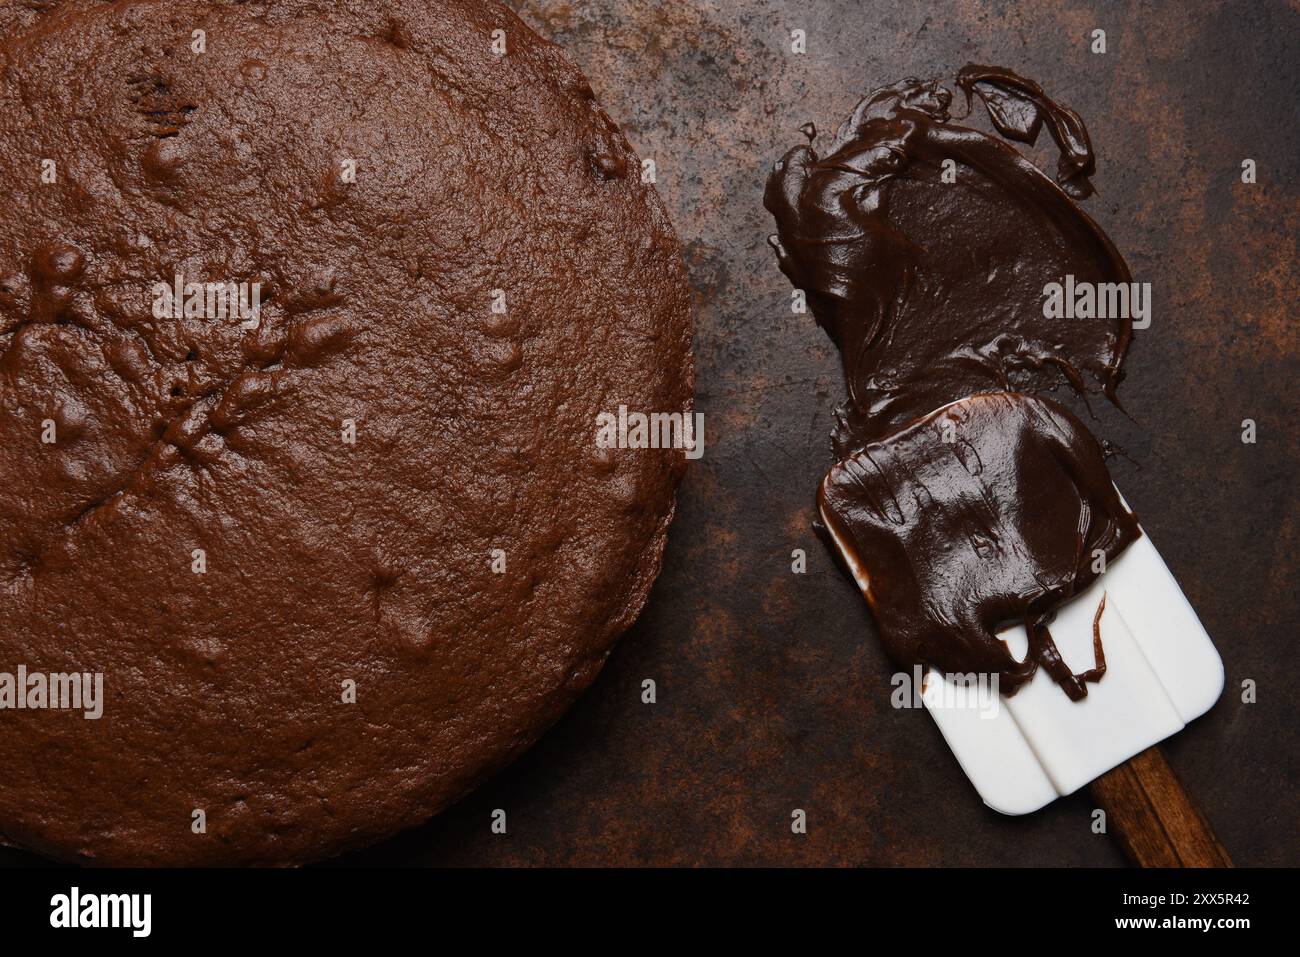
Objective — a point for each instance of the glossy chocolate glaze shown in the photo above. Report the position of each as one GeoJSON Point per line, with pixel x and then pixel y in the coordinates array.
{"type": "Point", "coordinates": [924, 247]}
{"type": "Point", "coordinates": [986, 513]}
{"type": "Point", "coordinates": [933, 291]}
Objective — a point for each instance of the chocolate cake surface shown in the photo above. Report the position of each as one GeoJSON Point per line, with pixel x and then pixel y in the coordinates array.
{"type": "Point", "coordinates": [337, 558]}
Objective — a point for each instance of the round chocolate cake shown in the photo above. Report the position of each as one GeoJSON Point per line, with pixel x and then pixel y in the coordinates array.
{"type": "Point", "coordinates": [308, 311]}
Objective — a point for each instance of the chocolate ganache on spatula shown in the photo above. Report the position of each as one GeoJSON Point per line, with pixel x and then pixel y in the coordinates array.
{"type": "Point", "coordinates": [969, 500]}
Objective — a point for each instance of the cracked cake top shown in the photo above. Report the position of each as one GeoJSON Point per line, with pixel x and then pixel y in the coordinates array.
{"type": "Point", "coordinates": [382, 480]}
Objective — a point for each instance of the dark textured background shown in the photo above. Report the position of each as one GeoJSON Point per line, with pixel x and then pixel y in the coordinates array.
{"type": "Point", "coordinates": [773, 690]}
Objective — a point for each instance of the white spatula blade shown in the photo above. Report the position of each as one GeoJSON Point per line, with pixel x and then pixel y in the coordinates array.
{"type": "Point", "coordinates": [1162, 671]}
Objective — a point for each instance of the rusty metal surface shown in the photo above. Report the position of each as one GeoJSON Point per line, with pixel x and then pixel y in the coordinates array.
{"type": "Point", "coordinates": [772, 688]}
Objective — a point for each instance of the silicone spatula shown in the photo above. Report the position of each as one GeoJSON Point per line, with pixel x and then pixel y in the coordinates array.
{"type": "Point", "coordinates": [1024, 751]}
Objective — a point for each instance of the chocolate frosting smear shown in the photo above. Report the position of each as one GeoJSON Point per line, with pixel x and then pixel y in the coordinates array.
{"type": "Point", "coordinates": [964, 498]}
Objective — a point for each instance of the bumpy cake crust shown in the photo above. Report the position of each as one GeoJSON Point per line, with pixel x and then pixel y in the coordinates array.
{"type": "Point", "coordinates": [326, 562]}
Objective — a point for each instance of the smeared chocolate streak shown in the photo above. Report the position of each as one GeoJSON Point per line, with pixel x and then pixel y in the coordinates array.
{"type": "Point", "coordinates": [924, 246]}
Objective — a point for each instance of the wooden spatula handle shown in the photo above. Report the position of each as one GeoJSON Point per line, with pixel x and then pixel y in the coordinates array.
{"type": "Point", "coordinates": [1152, 816]}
